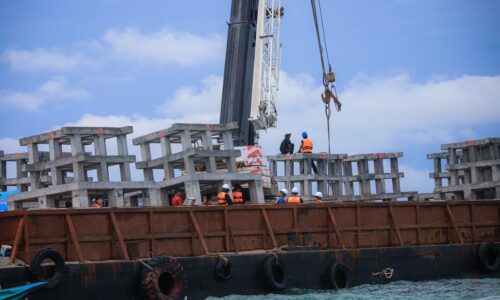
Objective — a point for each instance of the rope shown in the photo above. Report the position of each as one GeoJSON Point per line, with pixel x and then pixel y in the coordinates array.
{"type": "Point", "coordinates": [324, 36]}
{"type": "Point", "coordinates": [387, 272]}
{"type": "Point", "coordinates": [145, 264]}
{"type": "Point", "coordinates": [315, 17]}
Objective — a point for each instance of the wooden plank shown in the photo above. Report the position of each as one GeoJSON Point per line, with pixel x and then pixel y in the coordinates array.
{"type": "Point", "coordinates": [358, 232]}
{"type": "Point", "coordinates": [269, 228]}
{"type": "Point", "coordinates": [74, 238]}
{"type": "Point", "coordinates": [472, 222]}
{"type": "Point", "coordinates": [395, 225]}
{"type": "Point", "coordinates": [454, 223]}
{"type": "Point", "coordinates": [15, 247]}
{"type": "Point", "coordinates": [199, 232]}
{"type": "Point", "coordinates": [119, 236]}
{"type": "Point", "coordinates": [336, 228]}
{"type": "Point", "coordinates": [152, 233]}
{"type": "Point", "coordinates": [230, 229]}
{"type": "Point", "coordinates": [27, 248]}
{"type": "Point", "coordinates": [417, 218]}
{"type": "Point", "coordinates": [226, 226]}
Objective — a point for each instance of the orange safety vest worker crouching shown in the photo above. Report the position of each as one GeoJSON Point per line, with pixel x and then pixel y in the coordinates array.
{"type": "Point", "coordinates": [238, 197]}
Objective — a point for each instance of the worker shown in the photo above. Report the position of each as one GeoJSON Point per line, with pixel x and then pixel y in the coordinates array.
{"type": "Point", "coordinates": [318, 197]}
{"type": "Point", "coordinates": [306, 146]}
{"type": "Point", "coordinates": [282, 197]}
{"type": "Point", "coordinates": [177, 200]}
{"type": "Point", "coordinates": [223, 197]}
{"type": "Point", "coordinates": [97, 202]}
{"type": "Point", "coordinates": [287, 146]}
{"type": "Point", "coordinates": [295, 198]}
{"type": "Point", "coordinates": [238, 195]}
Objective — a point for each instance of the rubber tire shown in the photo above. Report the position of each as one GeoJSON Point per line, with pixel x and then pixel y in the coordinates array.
{"type": "Point", "coordinates": [273, 283]}
{"type": "Point", "coordinates": [336, 270]}
{"type": "Point", "coordinates": [223, 269]}
{"type": "Point", "coordinates": [60, 268]}
{"type": "Point", "coordinates": [486, 250]}
{"type": "Point", "coordinates": [150, 279]}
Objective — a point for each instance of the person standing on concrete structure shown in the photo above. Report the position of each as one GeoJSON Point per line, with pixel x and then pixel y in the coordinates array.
{"type": "Point", "coordinates": [282, 197]}
{"type": "Point", "coordinates": [238, 195]}
{"type": "Point", "coordinates": [97, 203]}
{"type": "Point", "coordinates": [287, 146]}
{"type": "Point", "coordinates": [318, 197]}
{"type": "Point", "coordinates": [177, 200]}
{"type": "Point", "coordinates": [306, 146]}
{"type": "Point", "coordinates": [223, 197]}
{"type": "Point", "coordinates": [295, 198]}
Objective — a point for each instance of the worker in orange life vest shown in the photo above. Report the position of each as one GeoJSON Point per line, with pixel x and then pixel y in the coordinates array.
{"type": "Point", "coordinates": [177, 200]}
{"type": "Point", "coordinates": [295, 198]}
{"type": "Point", "coordinates": [223, 197]}
{"type": "Point", "coordinates": [238, 195]}
{"type": "Point", "coordinates": [306, 146]}
{"type": "Point", "coordinates": [318, 197]}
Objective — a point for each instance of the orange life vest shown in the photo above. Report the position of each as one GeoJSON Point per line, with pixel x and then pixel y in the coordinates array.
{"type": "Point", "coordinates": [293, 199]}
{"type": "Point", "coordinates": [96, 205]}
{"type": "Point", "coordinates": [238, 197]}
{"type": "Point", "coordinates": [307, 146]}
{"type": "Point", "coordinates": [177, 201]}
{"type": "Point", "coordinates": [318, 201]}
{"type": "Point", "coordinates": [221, 198]}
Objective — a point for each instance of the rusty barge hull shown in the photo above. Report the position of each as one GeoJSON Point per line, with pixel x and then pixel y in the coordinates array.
{"type": "Point", "coordinates": [308, 270]}
{"type": "Point", "coordinates": [419, 240]}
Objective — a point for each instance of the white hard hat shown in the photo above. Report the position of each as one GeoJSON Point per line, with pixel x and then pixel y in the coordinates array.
{"type": "Point", "coordinates": [284, 191]}
{"type": "Point", "coordinates": [225, 186]}
{"type": "Point", "coordinates": [295, 190]}
{"type": "Point", "coordinates": [319, 195]}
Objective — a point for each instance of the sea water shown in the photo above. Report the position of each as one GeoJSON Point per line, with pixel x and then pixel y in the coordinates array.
{"type": "Point", "coordinates": [488, 288]}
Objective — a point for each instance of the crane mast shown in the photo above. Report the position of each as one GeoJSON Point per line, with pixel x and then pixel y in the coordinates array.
{"type": "Point", "coordinates": [251, 71]}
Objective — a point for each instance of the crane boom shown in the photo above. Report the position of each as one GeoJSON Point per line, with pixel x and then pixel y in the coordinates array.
{"type": "Point", "coordinates": [251, 72]}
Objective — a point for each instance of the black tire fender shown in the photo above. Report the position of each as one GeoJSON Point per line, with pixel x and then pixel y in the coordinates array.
{"type": "Point", "coordinates": [223, 268]}
{"type": "Point", "coordinates": [489, 256]}
{"type": "Point", "coordinates": [276, 274]}
{"type": "Point", "coordinates": [60, 268]}
{"type": "Point", "coordinates": [163, 279]}
{"type": "Point", "coordinates": [339, 276]}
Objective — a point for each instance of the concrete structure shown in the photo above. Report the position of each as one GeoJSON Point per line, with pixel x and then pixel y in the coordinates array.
{"type": "Point", "coordinates": [69, 171]}
{"type": "Point", "coordinates": [21, 180]}
{"type": "Point", "coordinates": [467, 170]}
{"type": "Point", "coordinates": [193, 160]}
{"type": "Point", "coordinates": [373, 181]}
{"type": "Point", "coordinates": [297, 170]}
{"type": "Point", "coordinates": [340, 177]}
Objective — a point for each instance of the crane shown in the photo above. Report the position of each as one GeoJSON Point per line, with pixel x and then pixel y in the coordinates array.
{"type": "Point", "coordinates": [252, 67]}
{"type": "Point", "coordinates": [251, 72]}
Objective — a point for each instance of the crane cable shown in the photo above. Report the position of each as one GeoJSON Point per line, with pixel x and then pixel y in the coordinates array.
{"type": "Point", "coordinates": [328, 78]}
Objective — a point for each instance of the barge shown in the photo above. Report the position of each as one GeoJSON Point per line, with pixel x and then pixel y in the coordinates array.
{"type": "Point", "coordinates": [200, 251]}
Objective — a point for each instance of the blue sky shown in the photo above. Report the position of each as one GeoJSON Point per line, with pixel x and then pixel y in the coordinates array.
{"type": "Point", "coordinates": [411, 74]}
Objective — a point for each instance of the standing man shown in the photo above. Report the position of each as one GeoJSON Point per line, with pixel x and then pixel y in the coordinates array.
{"type": "Point", "coordinates": [295, 198]}
{"type": "Point", "coordinates": [318, 197]}
{"type": "Point", "coordinates": [306, 146]}
{"type": "Point", "coordinates": [177, 200]}
{"type": "Point", "coordinates": [282, 197]}
{"type": "Point", "coordinates": [223, 197]}
{"type": "Point", "coordinates": [287, 146]}
{"type": "Point", "coordinates": [97, 202]}
{"type": "Point", "coordinates": [238, 195]}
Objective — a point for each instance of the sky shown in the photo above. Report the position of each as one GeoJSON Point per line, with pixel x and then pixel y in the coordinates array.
{"type": "Point", "coordinates": [411, 75]}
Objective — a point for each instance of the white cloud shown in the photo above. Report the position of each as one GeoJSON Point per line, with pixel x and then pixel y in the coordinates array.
{"type": "Point", "coordinates": [44, 59]}
{"type": "Point", "coordinates": [166, 46]}
{"type": "Point", "coordinates": [196, 103]}
{"type": "Point", "coordinates": [51, 91]}
{"type": "Point", "coordinates": [379, 115]}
